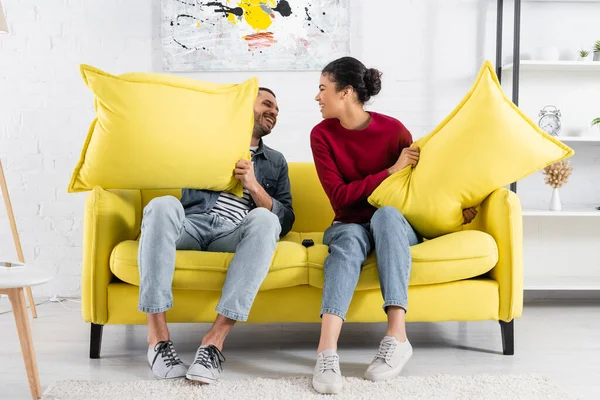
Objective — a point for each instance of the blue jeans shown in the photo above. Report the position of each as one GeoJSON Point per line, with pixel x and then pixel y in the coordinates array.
{"type": "Point", "coordinates": [166, 228]}
{"type": "Point", "coordinates": [350, 244]}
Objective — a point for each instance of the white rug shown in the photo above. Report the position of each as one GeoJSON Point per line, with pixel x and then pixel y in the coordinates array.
{"type": "Point", "coordinates": [462, 387]}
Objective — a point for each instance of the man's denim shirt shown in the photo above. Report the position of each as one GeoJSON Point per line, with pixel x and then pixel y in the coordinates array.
{"type": "Point", "coordinates": [271, 170]}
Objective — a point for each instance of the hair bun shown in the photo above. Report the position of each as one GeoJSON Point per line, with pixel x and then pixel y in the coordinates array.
{"type": "Point", "coordinates": [373, 81]}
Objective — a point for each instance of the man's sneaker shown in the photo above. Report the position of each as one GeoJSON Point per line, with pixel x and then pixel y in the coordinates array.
{"type": "Point", "coordinates": [165, 362]}
{"type": "Point", "coordinates": [390, 359]}
{"type": "Point", "coordinates": [207, 366]}
{"type": "Point", "coordinates": [327, 378]}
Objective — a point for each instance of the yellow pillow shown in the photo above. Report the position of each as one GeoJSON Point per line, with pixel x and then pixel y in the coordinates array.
{"type": "Point", "coordinates": [155, 131]}
{"type": "Point", "coordinates": [486, 143]}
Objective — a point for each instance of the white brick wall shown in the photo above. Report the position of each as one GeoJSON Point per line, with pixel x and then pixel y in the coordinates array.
{"type": "Point", "coordinates": [45, 112]}
{"type": "Point", "coordinates": [429, 52]}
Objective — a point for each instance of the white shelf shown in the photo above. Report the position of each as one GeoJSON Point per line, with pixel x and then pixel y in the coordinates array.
{"type": "Point", "coordinates": [562, 283]}
{"type": "Point", "coordinates": [579, 139]}
{"type": "Point", "coordinates": [573, 66]}
{"type": "Point", "coordinates": [561, 1]}
{"type": "Point", "coordinates": [566, 212]}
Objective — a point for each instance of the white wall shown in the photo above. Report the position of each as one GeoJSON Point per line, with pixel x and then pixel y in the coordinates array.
{"type": "Point", "coordinates": [45, 112]}
{"type": "Point", "coordinates": [429, 52]}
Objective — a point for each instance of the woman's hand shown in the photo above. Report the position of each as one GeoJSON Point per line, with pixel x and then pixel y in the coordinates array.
{"type": "Point", "coordinates": [469, 215]}
{"type": "Point", "coordinates": [408, 156]}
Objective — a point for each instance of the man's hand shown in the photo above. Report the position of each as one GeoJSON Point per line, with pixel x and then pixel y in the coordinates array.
{"type": "Point", "coordinates": [469, 215]}
{"type": "Point", "coordinates": [408, 156]}
{"type": "Point", "coordinates": [244, 173]}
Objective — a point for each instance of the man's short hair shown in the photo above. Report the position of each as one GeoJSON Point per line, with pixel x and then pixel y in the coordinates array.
{"type": "Point", "coordinates": [267, 90]}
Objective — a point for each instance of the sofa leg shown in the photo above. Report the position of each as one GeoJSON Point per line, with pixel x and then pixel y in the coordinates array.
{"type": "Point", "coordinates": [508, 337]}
{"type": "Point", "coordinates": [95, 340]}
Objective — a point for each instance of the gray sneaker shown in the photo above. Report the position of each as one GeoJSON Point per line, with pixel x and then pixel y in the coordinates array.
{"type": "Point", "coordinates": [327, 377]}
{"type": "Point", "coordinates": [390, 359]}
{"type": "Point", "coordinates": [165, 362]}
{"type": "Point", "coordinates": [207, 366]}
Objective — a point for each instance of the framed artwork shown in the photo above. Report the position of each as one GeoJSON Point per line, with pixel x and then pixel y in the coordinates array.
{"type": "Point", "coordinates": [253, 35]}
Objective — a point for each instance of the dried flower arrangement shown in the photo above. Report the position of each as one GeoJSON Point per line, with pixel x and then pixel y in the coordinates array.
{"type": "Point", "coordinates": [557, 174]}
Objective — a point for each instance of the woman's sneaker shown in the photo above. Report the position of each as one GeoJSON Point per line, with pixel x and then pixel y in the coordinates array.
{"type": "Point", "coordinates": [327, 377]}
{"type": "Point", "coordinates": [165, 362]}
{"type": "Point", "coordinates": [390, 359]}
{"type": "Point", "coordinates": [207, 366]}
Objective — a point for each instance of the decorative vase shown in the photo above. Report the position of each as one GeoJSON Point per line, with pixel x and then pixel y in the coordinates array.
{"type": "Point", "coordinates": [555, 200]}
{"type": "Point", "coordinates": [597, 56]}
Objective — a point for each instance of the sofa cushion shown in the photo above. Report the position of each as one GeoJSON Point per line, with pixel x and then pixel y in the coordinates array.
{"type": "Point", "coordinates": [453, 257]}
{"type": "Point", "coordinates": [149, 127]}
{"type": "Point", "coordinates": [298, 237]}
{"type": "Point", "coordinates": [195, 270]}
{"type": "Point", "coordinates": [484, 144]}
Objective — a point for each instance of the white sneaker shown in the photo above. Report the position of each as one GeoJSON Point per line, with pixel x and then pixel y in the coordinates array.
{"type": "Point", "coordinates": [390, 359]}
{"type": "Point", "coordinates": [327, 377]}
{"type": "Point", "coordinates": [165, 362]}
{"type": "Point", "coordinates": [207, 366]}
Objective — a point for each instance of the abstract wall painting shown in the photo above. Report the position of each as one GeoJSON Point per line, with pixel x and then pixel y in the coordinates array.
{"type": "Point", "coordinates": [253, 35]}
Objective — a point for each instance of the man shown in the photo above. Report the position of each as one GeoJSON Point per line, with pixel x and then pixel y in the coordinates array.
{"type": "Point", "coordinates": [220, 222]}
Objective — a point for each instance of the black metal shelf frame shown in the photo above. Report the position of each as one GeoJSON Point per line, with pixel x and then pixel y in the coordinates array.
{"type": "Point", "coordinates": [516, 52]}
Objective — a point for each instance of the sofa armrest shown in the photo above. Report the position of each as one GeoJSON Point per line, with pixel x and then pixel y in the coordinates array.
{"type": "Point", "coordinates": [500, 215]}
{"type": "Point", "coordinates": [110, 217]}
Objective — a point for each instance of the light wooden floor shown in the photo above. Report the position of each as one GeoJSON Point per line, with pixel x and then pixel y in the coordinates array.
{"type": "Point", "coordinates": [560, 340]}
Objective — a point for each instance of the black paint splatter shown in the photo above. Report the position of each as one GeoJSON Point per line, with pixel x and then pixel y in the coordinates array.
{"type": "Point", "coordinates": [283, 8]}
{"type": "Point", "coordinates": [186, 3]}
{"type": "Point", "coordinates": [188, 47]}
{"type": "Point", "coordinates": [192, 17]}
{"type": "Point", "coordinates": [186, 16]}
{"type": "Point", "coordinates": [183, 45]}
{"type": "Point", "coordinates": [237, 11]}
{"type": "Point", "coordinates": [309, 18]}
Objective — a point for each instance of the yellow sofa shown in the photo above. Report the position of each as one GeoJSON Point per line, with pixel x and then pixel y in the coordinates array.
{"type": "Point", "coordinates": [475, 274]}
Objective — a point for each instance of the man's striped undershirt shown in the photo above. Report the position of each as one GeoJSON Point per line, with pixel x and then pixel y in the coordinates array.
{"type": "Point", "coordinates": [231, 207]}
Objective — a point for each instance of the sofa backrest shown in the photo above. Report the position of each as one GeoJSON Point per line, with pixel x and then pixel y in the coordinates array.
{"type": "Point", "coordinates": [311, 205]}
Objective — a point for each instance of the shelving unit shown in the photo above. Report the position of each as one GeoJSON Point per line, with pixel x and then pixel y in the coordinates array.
{"type": "Point", "coordinates": [580, 139]}
{"type": "Point", "coordinates": [576, 212]}
{"type": "Point", "coordinates": [562, 283]}
{"type": "Point", "coordinates": [572, 230]}
{"type": "Point", "coordinates": [556, 66]}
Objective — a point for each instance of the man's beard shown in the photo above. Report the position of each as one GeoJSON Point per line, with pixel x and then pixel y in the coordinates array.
{"type": "Point", "coordinates": [259, 130]}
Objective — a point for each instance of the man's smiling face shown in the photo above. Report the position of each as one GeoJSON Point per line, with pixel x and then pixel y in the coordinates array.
{"type": "Point", "coordinates": [265, 114]}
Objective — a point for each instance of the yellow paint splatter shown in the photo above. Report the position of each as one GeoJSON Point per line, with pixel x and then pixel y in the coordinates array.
{"type": "Point", "coordinates": [198, 24]}
{"type": "Point", "coordinates": [254, 15]}
{"type": "Point", "coordinates": [232, 18]}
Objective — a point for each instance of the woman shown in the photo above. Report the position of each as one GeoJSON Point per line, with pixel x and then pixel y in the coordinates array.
{"type": "Point", "coordinates": [354, 151]}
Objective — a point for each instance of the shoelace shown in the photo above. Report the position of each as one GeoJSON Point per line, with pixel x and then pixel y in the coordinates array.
{"type": "Point", "coordinates": [329, 363]}
{"type": "Point", "coordinates": [166, 350]}
{"type": "Point", "coordinates": [386, 349]}
{"type": "Point", "coordinates": [210, 357]}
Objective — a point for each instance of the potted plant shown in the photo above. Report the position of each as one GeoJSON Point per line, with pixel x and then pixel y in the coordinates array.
{"type": "Point", "coordinates": [583, 55]}
{"type": "Point", "coordinates": [597, 51]}
{"type": "Point", "coordinates": [596, 121]}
